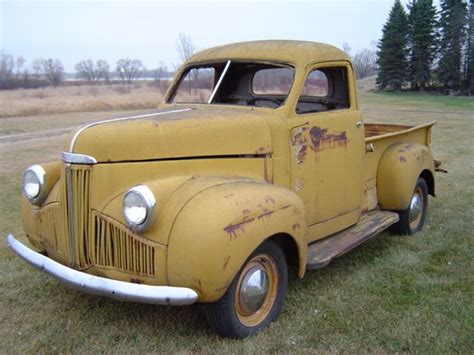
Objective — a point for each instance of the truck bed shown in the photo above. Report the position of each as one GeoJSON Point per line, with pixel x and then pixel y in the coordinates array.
{"type": "Point", "coordinates": [378, 137]}
{"type": "Point", "coordinates": [378, 131]}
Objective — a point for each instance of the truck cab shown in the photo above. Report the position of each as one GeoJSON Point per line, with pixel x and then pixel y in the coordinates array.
{"type": "Point", "coordinates": [257, 158]}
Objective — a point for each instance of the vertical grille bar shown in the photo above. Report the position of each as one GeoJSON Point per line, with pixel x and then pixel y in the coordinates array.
{"type": "Point", "coordinates": [70, 214]}
{"type": "Point", "coordinates": [78, 212]}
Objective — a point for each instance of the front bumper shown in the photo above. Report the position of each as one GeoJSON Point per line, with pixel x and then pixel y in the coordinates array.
{"type": "Point", "coordinates": [124, 291]}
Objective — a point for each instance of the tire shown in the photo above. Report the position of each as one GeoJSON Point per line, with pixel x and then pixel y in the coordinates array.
{"type": "Point", "coordinates": [413, 218]}
{"type": "Point", "coordinates": [233, 317]}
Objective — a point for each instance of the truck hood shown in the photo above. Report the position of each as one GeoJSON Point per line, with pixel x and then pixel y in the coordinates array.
{"type": "Point", "coordinates": [173, 133]}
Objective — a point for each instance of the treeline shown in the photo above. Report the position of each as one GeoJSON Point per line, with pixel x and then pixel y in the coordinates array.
{"type": "Point", "coordinates": [426, 48]}
{"type": "Point", "coordinates": [42, 72]}
{"type": "Point", "coordinates": [15, 73]}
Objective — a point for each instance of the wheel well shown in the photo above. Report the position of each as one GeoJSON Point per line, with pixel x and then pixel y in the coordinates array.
{"type": "Point", "coordinates": [289, 247]}
{"type": "Point", "coordinates": [428, 177]}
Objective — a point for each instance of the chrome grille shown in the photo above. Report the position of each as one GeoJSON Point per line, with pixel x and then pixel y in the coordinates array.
{"type": "Point", "coordinates": [115, 246]}
{"type": "Point", "coordinates": [78, 212]}
{"type": "Point", "coordinates": [95, 239]}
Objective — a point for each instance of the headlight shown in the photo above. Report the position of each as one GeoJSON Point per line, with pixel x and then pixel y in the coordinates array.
{"type": "Point", "coordinates": [33, 184]}
{"type": "Point", "coordinates": [138, 207]}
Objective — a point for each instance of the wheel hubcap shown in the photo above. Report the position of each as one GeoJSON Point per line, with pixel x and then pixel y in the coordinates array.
{"type": "Point", "coordinates": [254, 289]}
{"type": "Point", "coordinates": [416, 208]}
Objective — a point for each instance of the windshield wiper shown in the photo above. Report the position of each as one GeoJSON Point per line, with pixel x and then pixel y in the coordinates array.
{"type": "Point", "coordinates": [219, 82]}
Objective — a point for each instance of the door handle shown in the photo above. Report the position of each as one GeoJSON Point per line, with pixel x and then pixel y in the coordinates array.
{"type": "Point", "coordinates": [359, 124]}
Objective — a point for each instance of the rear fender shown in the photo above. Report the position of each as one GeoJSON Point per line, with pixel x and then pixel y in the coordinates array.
{"type": "Point", "coordinates": [217, 230]}
{"type": "Point", "coordinates": [399, 168]}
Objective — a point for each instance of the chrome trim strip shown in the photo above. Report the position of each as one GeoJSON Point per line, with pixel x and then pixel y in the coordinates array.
{"type": "Point", "coordinates": [83, 128]}
{"type": "Point", "coordinates": [75, 158]}
{"type": "Point", "coordinates": [218, 82]}
{"type": "Point", "coordinates": [70, 213]}
{"type": "Point", "coordinates": [101, 286]}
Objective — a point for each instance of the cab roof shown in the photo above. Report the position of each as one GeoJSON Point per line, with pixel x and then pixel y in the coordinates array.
{"type": "Point", "coordinates": [300, 53]}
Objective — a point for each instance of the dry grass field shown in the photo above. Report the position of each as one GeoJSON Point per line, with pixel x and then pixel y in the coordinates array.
{"type": "Point", "coordinates": [394, 294]}
{"type": "Point", "coordinates": [78, 98]}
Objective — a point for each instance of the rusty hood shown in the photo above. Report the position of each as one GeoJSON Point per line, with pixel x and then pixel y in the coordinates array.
{"type": "Point", "coordinates": [173, 133]}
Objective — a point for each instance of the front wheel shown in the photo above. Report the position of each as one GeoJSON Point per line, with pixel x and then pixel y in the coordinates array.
{"type": "Point", "coordinates": [413, 218]}
{"type": "Point", "coordinates": [255, 297]}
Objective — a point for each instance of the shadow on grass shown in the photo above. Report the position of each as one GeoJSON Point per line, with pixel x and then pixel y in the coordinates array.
{"type": "Point", "coordinates": [185, 321]}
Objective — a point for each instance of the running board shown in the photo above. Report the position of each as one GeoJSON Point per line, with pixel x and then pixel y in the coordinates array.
{"type": "Point", "coordinates": [321, 252]}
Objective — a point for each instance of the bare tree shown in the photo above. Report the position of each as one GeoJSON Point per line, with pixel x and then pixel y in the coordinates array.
{"type": "Point", "coordinates": [91, 72]}
{"type": "Point", "coordinates": [364, 63]}
{"type": "Point", "coordinates": [129, 69]}
{"type": "Point", "coordinates": [50, 69]}
{"type": "Point", "coordinates": [159, 74]}
{"type": "Point", "coordinates": [7, 65]}
{"type": "Point", "coordinates": [185, 47]}
{"type": "Point", "coordinates": [36, 69]}
{"type": "Point", "coordinates": [19, 62]}
{"type": "Point", "coordinates": [103, 70]}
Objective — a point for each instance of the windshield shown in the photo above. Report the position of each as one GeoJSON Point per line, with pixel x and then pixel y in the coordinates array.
{"type": "Point", "coordinates": [234, 83]}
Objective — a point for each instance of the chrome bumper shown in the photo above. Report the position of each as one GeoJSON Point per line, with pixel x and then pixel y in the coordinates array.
{"type": "Point", "coordinates": [124, 291]}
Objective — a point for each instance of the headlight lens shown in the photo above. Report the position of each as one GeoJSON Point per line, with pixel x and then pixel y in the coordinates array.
{"type": "Point", "coordinates": [138, 207]}
{"type": "Point", "coordinates": [33, 184]}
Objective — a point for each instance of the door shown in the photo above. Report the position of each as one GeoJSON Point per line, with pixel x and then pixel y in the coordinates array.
{"type": "Point", "coordinates": [327, 140]}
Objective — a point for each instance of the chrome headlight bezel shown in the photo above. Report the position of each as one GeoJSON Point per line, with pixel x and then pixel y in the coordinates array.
{"type": "Point", "coordinates": [144, 193]}
{"type": "Point", "coordinates": [40, 174]}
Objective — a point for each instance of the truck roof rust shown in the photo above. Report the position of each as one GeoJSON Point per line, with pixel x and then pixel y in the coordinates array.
{"type": "Point", "coordinates": [300, 53]}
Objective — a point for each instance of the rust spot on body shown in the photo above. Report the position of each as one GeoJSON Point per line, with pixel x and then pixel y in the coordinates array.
{"type": "Point", "coordinates": [405, 148]}
{"type": "Point", "coordinates": [226, 262]}
{"type": "Point", "coordinates": [402, 159]}
{"type": "Point", "coordinates": [265, 215]}
{"type": "Point", "coordinates": [270, 199]}
{"type": "Point", "coordinates": [300, 144]}
{"type": "Point", "coordinates": [223, 288]}
{"type": "Point", "coordinates": [321, 140]}
{"type": "Point", "coordinates": [296, 226]}
{"type": "Point", "coordinates": [262, 150]}
{"type": "Point", "coordinates": [234, 229]}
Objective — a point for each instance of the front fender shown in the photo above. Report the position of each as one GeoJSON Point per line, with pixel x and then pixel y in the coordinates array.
{"type": "Point", "coordinates": [399, 168]}
{"type": "Point", "coordinates": [217, 230]}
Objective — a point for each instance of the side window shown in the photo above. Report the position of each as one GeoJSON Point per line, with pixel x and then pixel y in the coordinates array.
{"type": "Point", "coordinates": [316, 84]}
{"type": "Point", "coordinates": [324, 89]}
{"type": "Point", "coordinates": [196, 86]}
{"type": "Point", "coordinates": [272, 81]}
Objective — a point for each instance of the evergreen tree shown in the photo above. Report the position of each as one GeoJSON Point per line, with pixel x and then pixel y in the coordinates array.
{"type": "Point", "coordinates": [392, 49]}
{"type": "Point", "coordinates": [453, 33]}
{"type": "Point", "coordinates": [469, 60]}
{"type": "Point", "coordinates": [422, 41]}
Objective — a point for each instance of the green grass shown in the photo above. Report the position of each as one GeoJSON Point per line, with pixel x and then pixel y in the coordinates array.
{"type": "Point", "coordinates": [393, 294]}
{"type": "Point", "coordinates": [422, 100]}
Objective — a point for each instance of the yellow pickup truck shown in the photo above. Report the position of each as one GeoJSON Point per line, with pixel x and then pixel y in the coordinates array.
{"type": "Point", "coordinates": [258, 158]}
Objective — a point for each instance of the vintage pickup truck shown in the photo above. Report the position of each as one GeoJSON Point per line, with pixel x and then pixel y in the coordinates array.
{"type": "Point", "coordinates": [258, 158]}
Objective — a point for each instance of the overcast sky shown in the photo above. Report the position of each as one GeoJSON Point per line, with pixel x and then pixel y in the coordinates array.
{"type": "Point", "coordinates": [148, 30]}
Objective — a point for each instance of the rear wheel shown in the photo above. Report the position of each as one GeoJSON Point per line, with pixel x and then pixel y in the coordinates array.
{"type": "Point", "coordinates": [255, 297]}
{"type": "Point", "coordinates": [413, 218]}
